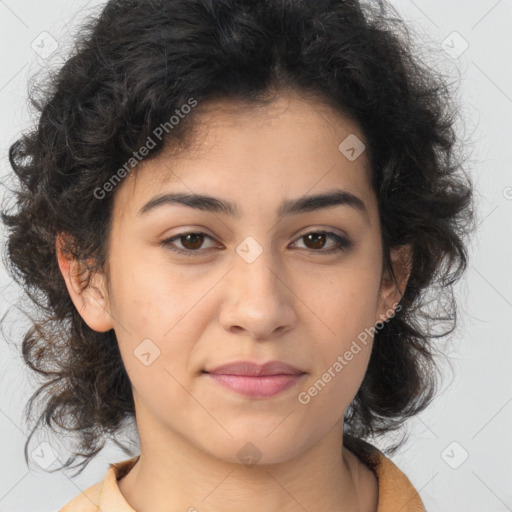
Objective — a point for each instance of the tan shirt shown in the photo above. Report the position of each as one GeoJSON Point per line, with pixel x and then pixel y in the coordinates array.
{"type": "Point", "coordinates": [395, 490]}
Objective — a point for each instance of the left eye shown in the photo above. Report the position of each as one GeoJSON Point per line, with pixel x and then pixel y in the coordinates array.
{"type": "Point", "coordinates": [317, 238]}
{"type": "Point", "coordinates": [191, 242]}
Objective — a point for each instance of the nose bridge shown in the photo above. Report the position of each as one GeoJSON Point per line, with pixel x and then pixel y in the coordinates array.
{"type": "Point", "coordinates": [254, 270]}
{"type": "Point", "coordinates": [257, 300]}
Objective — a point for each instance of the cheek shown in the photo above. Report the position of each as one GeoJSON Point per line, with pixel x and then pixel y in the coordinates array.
{"type": "Point", "coordinates": [349, 302]}
{"type": "Point", "coordinates": [150, 296]}
{"type": "Point", "coordinates": [342, 366]}
{"type": "Point", "coordinates": [348, 307]}
{"type": "Point", "coordinates": [145, 313]}
{"type": "Point", "coordinates": [162, 314]}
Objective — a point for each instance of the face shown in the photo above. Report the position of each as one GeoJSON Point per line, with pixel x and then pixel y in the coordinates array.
{"type": "Point", "coordinates": [271, 277]}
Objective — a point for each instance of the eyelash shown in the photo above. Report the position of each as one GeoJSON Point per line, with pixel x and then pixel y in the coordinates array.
{"type": "Point", "coordinates": [343, 243]}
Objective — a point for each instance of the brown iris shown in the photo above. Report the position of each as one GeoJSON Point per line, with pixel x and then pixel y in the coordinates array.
{"type": "Point", "coordinates": [317, 238]}
{"type": "Point", "coordinates": [195, 239]}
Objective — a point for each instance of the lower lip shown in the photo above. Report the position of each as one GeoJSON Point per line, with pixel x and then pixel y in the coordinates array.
{"type": "Point", "coordinates": [256, 387]}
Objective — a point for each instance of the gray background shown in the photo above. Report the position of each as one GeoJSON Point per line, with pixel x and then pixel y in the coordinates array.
{"type": "Point", "coordinates": [459, 449]}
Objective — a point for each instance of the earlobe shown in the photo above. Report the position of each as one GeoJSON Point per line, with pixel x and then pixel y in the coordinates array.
{"type": "Point", "coordinates": [392, 290]}
{"type": "Point", "coordinates": [92, 301]}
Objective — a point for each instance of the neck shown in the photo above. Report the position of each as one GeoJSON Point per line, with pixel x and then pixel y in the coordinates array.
{"type": "Point", "coordinates": [173, 474]}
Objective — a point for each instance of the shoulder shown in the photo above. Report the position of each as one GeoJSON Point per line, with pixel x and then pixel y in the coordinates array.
{"type": "Point", "coordinates": [86, 501]}
{"type": "Point", "coordinates": [395, 490]}
{"type": "Point", "coordinates": [103, 495]}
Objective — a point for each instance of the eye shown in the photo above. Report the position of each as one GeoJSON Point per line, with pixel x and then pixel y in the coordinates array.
{"type": "Point", "coordinates": [192, 242]}
{"type": "Point", "coordinates": [316, 240]}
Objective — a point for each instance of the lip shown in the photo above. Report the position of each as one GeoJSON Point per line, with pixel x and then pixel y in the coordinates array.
{"type": "Point", "coordinates": [256, 380]}
{"type": "Point", "coordinates": [253, 369]}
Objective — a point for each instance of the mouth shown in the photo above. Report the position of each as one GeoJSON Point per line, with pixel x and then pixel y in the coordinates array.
{"type": "Point", "coordinates": [254, 380]}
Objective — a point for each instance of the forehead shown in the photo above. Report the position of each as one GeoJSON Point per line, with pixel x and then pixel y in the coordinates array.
{"type": "Point", "coordinates": [288, 144]}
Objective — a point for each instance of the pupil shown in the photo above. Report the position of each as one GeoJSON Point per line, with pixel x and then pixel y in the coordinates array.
{"type": "Point", "coordinates": [191, 237]}
{"type": "Point", "coordinates": [318, 236]}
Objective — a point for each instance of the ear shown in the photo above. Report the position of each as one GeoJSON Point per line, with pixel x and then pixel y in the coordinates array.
{"type": "Point", "coordinates": [91, 302]}
{"type": "Point", "coordinates": [391, 290]}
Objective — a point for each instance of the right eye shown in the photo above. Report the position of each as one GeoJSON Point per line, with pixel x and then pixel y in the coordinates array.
{"type": "Point", "coordinates": [191, 242]}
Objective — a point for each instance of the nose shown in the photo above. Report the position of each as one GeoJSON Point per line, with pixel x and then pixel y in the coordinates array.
{"type": "Point", "coordinates": [258, 301]}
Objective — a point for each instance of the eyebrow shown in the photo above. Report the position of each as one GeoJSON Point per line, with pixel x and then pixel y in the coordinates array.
{"type": "Point", "coordinates": [304, 204]}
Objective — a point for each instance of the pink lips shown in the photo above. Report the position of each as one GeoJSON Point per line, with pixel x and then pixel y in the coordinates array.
{"type": "Point", "coordinates": [256, 381]}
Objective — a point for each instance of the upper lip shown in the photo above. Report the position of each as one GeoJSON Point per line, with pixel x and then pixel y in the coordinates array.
{"type": "Point", "coordinates": [251, 368]}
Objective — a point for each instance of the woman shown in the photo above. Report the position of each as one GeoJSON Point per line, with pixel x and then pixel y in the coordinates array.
{"type": "Point", "coordinates": [232, 213]}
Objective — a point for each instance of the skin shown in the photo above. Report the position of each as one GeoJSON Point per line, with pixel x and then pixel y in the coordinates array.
{"type": "Point", "coordinates": [291, 303]}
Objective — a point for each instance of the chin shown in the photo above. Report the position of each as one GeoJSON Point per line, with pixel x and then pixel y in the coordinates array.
{"type": "Point", "coordinates": [250, 449]}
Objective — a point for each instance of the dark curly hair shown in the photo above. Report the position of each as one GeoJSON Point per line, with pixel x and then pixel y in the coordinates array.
{"type": "Point", "coordinates": [136, 64]}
